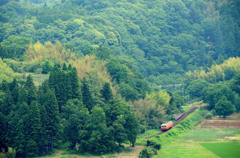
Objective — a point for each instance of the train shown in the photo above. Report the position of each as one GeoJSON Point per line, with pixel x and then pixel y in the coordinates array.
{"type": "Point", "coordinates": [169, 124]}
{"type": "Point", "coordinates": [166, 126]}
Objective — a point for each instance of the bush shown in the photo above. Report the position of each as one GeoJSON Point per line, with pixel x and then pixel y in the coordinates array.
{"type": "Point", "coordinates": [47, 66]}
{"type": "Point", "coordinates": [153, 144]}
{"type": "Point", "coordinates": [209, 115]}
{"type": "Point", "coordinates": [147, 152]}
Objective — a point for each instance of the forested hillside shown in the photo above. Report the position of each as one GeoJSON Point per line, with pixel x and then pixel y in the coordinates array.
{"type": "Point", "coordinates": [165, 37]}
{"type": "Point", "coordinates": [85, 75]}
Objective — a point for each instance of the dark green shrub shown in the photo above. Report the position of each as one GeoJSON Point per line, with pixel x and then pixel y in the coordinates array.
{"type": "Point", "coordinates": [147, 152]}
{"type": "Point", "coordinates": [209, 115]}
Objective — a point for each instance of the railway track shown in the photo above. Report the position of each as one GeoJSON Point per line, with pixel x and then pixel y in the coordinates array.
{"type": "Point", "coordinates": [181, 118]}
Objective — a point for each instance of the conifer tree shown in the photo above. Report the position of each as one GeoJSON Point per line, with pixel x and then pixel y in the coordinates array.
{"type": "Point", "coordinates": [29, 83]}
{"type": "Point", "coordinates": [3, 132]}
{"type": "Point", "coordinates": [34, 123]}
{"type": "Point", "coordinates": [22, 95]}
{"type": "Point", "coordinates": [7, 103]}
{"type": "Point", "coordinates": [106, 93]}
{"type": "Point", "coordinates": [76, 90]}
{"type": "Point", "coordinates": [64, 66]}
{"type": "Point", "coordinates": [20, 130]}
{"type": "Point", "coordinates": [69, 67]}
{"type": "Point", "coordinates": [87, 97]}
{"type": "Point", "coordinates": [32, 96]}
{"type": "Point", "coordinates": [52, 123]}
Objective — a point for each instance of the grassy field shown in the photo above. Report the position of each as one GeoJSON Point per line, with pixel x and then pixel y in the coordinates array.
{"type": "Point", "coordinates": [229, 150]}
{"type": "Point", "coordinates": [211, 134]}
{"type": "Point", "coordinates": [200, 143]}
{"type": "Point", "coordinates": [184, 149]}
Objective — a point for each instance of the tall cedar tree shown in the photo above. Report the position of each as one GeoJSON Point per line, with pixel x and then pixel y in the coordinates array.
{"type": "Point", "coordinates": [7, 103]}
{"type": "Point", "coordinates": [29, 83]}
{"type": "Point", "coordinates": [76, 90]}
{"type": "Point", "coordinates": [3, 132]}
{"type": "Point", "coordinates": [87, 97]}
{"type": "Point", "coordinates": [106, 93]}
{"type": "Point", "coordinates": [52, 123]}
{"type": "Point", "coordinates": [22, 95]}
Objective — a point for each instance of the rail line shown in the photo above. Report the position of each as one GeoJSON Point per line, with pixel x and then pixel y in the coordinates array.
{"type": "Point", "coordinates": [181, 118]}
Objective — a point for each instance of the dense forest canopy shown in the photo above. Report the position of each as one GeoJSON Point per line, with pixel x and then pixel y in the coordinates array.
{"type": "Point", "coordinates": [86, 74]}
{"type": "Point", "coordinates": [165, 37]}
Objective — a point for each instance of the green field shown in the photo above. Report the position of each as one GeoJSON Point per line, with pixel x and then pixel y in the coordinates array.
{"type": "Point", "coordinates": [184, 149]}
{"type": "Point", "coordinates": [229, 150]}
{"type": "Point", "coordinates": [210, 134]}
{"type": "Point", "coordinates": [203, 142]}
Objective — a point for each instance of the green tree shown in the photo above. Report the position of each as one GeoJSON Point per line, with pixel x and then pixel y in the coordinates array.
{"type": "Point", "coordinates": [101, 138]}
{"type": "Point", "coordinates": [3, 132]}
{"type": "Point", "coordinates": [87, 97]}
{"type": "Point", "coordinates": [76, 89]}
{"type": "Point", "coordinates": [47, 67]}
{"type": "Point", "coordinates": [195, 88]}
{"type": "Point", "coordinates": [22, 95]}
{"type": "Point", "coordinates": [106, 93]}
{"type": "Point", "coordinates": [51, 125]}
{"type": "Point", "coordinates": [235, 83]}
{"type": "Point", "coordinates": [15, 45]}
{"type": "Point", "coordinates": [224, 107]}
{"type": "Point", "coordinates": [29, 83]}
{"type": "Point", "coordinates": [129, 93]}
{"type": "Point", "coordinates": [119, 131]}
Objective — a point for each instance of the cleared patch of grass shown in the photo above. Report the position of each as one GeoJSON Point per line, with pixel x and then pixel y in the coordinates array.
{"type": "Point", "coordinates": [39, 78]}
{"type": "Point", "coordinates": [230, 150]}
{"type": "Point", "coordinates": [210, 134]}
{"type": "Point", "coordinates": [184, 149]}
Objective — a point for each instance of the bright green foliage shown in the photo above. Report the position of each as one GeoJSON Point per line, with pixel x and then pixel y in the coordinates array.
{"type": "Point", "coordinates": [47, 66]}
{"type": "Point", "coordinates": [235, 83]}
{"type": "Point", "coordinates": [128, 92]}
{"type": "Point", "coordinates": [6, 73]}
{"type": "Point", "coordinates": [214, 93]}
{"type": "Point", "coordinates": [119, 131]}
{"type": "Point", "coordinates": [224, 107]}
{"type": "Point", "coordinates": [15, 46]}
{"type": "Point", "coordinates": [101, 139]}
{"type": "Point", "coordinates": [195, 88]}
{"type": "Point", "coordinates": [165, 38]}
{"type": "Point", "coordinates": [132, 84]}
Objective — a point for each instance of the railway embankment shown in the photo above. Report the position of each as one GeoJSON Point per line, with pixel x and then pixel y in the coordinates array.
{"type": "Point", "coordinates": [187, 122]}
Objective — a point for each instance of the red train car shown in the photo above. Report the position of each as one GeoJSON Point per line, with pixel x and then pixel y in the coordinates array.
{"type": "Point", "coordinates": [166, 126]}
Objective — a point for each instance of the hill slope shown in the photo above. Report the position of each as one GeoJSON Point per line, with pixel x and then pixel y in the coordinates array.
{"type": "Point", "coordinates": [165, 37]}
